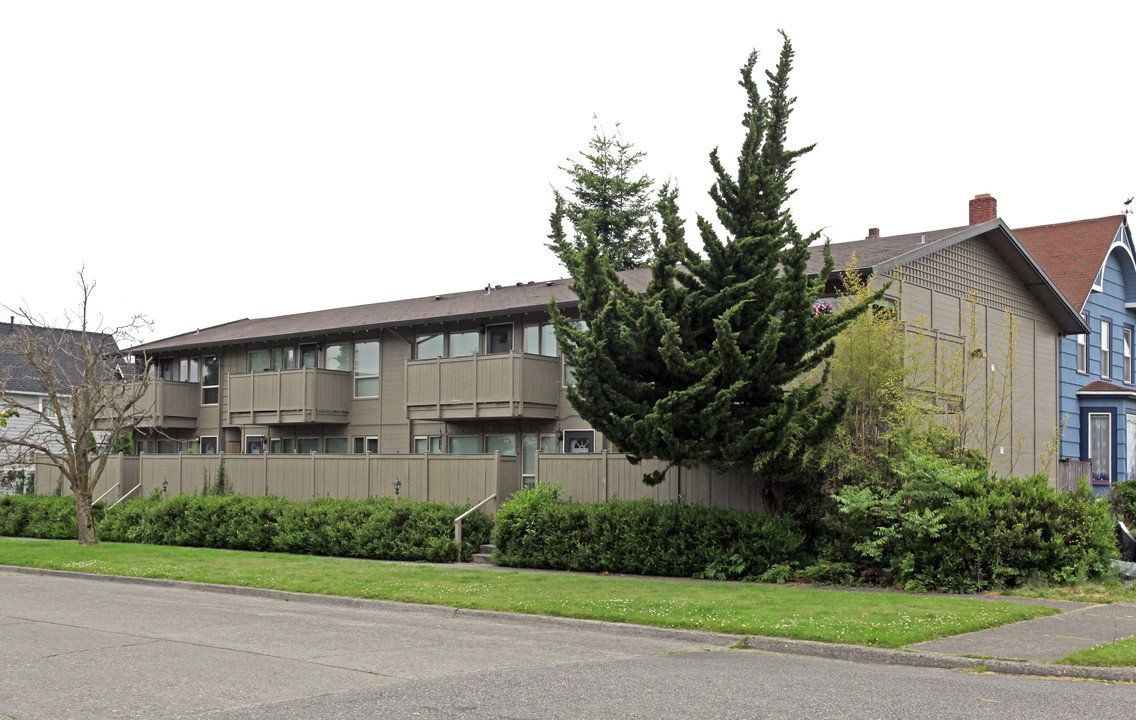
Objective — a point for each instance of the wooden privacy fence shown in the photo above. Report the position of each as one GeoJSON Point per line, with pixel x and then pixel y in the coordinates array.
{"type": "Point", "coordinates": [603, 476]}
{"type": "Point", "coordinates": [1070, 472]}
{"type": "Point", "coordinates": [457, 479]}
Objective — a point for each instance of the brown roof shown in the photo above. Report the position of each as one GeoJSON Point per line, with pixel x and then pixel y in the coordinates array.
{"type": "Point", "coordinates": [1072, 252]}
{"type": "Point", "coordinates": [1097, 387]}
{"type": "Point", "coordinates": [481, 303]}
{"type": "Point", "coordinates": [875, 251]}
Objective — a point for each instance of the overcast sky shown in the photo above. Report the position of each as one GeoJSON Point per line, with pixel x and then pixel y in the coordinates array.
{"type": "Point", "coordinates": [210, 161]}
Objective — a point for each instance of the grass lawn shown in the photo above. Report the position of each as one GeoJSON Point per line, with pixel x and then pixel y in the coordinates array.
{"type": "Point", "coordinates": [889, 620]}
{"type": "Point", "coordinates": [1110, 591]}
{"type": "Point", "coordinates": [1118, 654]}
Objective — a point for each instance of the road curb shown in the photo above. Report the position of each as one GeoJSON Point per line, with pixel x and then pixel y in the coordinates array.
{"type": "Point", "coordinates": [811, 648]}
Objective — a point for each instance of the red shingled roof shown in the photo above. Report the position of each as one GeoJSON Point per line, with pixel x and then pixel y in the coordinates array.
{"type": "Point", "coordinates": [1071, 253]}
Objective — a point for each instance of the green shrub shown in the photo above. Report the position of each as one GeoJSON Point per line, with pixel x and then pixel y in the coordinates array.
{"type": "Point", "coordinates": [41, 516]}
{"type": "Point", "coordinates": [377, 528]}
{"type": "Point", "coordinates": [1123, 499]}
{"type": "Point", "coordinates": [954, 529]}
{"type": "Point", "coordinates": [535, 528]}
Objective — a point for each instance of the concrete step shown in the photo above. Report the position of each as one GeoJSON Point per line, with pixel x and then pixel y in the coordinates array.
{"type": "Point", "coordinates": [483, 557]}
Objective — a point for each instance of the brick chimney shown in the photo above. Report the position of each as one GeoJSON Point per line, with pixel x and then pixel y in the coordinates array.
{"type": "Point", "coordinates": [873, 232]}
{"type": "Point", "coordinates": [983, 208]}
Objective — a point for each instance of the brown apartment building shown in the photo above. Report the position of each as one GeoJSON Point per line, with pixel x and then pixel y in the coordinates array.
{"type": "Point", "coordinates": [464, 373]}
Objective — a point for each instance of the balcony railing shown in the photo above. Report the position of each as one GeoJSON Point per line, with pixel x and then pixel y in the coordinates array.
{"type": "Point", "coordinates": [307, 395]}
{"type": "Point", "coordinates": [483, 386]}
{"type": "Point", "coordinates": [170, 404]}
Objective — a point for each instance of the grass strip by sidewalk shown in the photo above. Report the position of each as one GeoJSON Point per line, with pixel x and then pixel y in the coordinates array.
{"type": "Point", "coordinates": [1121, 653]}
{"type": "Point", "coordinates": [858, 618]}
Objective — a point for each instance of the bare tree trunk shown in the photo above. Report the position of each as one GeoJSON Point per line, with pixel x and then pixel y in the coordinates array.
{"type": "Point", "coordinates": [86, 517]}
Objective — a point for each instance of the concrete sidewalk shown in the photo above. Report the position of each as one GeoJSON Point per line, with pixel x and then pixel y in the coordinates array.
{"type": "Point", "coordinates": [1047, 639]}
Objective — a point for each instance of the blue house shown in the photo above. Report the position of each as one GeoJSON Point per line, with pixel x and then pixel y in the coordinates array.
{"type": "Point", "coordinates": [1093, 263]}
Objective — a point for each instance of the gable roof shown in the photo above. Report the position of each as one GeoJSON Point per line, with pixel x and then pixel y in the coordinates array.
{"type": "Point", "coordinates": [483, 303]}
{"type": "Point", "coordinates": [16, 374]}
{"type": "Point", "coordinates": [878, 255]}
{"type": "Point", "coordinates": [1072, 252]}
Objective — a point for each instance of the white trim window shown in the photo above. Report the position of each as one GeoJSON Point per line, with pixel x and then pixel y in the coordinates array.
{"type": "Point", "coordinates": [1106, 349]}
{"type": "Point", "coordinates": [368, 359]}
{"type": "Point", "coordinates": [579, 441]}
{"type": "Point", "coordinates": [1127, 355]}
{"type": "Point", "coordinates": [1083, 349]}
{"type": "Point", "coordinates": [210, 380]}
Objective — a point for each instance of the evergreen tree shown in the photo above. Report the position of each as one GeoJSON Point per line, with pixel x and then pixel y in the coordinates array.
{"type": "Point", "coordinates": [709, 364]}
{"type": "Point", "coordinates": [604, 190]}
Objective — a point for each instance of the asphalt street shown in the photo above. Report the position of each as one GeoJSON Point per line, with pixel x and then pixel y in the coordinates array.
{"type": "Point", "coordinates": [92, 648]}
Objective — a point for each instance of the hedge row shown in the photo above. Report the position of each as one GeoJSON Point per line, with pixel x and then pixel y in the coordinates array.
{"type": "Point", "coordinates": [377, 528]}
{"type": "Point", "coordinates": [41, 517]}
{"type": "Point", "coordinates": [951, 529]}
{"type": "Point", "coordinates": [535, 528]}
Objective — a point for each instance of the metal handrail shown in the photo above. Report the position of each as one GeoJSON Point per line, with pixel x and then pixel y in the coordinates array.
{"type": "Point", "coordinates": [139, 485]}
{"type": "Point", "coordinates": [463, 516]}
{"type": "Point", "coordinates": [108, 492]}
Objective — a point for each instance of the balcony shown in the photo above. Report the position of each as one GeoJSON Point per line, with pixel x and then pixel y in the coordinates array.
{"type": "Point", "coordinates": [283, 397]}
{"type": "Point", "coordinates": [514, 385]}
{"type": "Point", "coordinates": [170, 404]}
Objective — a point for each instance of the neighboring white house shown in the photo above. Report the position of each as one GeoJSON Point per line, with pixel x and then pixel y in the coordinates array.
{"type": "Point", "coordinates": [21, 388]}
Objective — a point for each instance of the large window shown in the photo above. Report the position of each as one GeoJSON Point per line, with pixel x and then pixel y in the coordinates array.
{"type": "Point", "coordinates": [366, 445]}
{"type": "Point", "coordinates": [504, 444]}
{"type": "Point", "coordinates": [427, 347]}
{"type": "Point", "coordinates": [463, 444]}
{"type": "Point", "coordinates": [463, 344]}
{"type": "Point", "coordinates": [540, 340]}
{"type": "Point", "coordinates": [367, 360]}
{"type": "Point", "coordinates": [428, 444]}
{"type": "Point", "coordinates": [1100, 447]}
{"type": "Point", "coordinates": [335, 446]}
{"type": "Point", "coordinates": [209, 445]}
{"type": "Point", "coordinates": [309, 355]}
{"type": "Point", "coordinates": [1106, 349]}
{"type": "Point", "coordinates": [187, 370]}
{"type": "Point", "coordinates": [166, 369]}
{"type": "Point", "coordinates": [307, 445]}
{"type": "Point", "coordinates": [284, 358]}
{"type": "Point", "coordinates": [259, 360]}
{"type": "Point", "coordinates": [210, 380]}
{"type": "Point", "coordinates": [337, 356]}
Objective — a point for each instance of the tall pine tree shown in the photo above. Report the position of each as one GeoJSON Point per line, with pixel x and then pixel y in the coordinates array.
{"type": "Point", "coordinates": [604, 189]}
{"type": "Point", "coordinates": [709, 364]}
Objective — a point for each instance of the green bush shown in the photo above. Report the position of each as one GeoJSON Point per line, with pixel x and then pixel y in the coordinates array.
{"type": "Point", "coordinates": [535, 528]}
{"type": "Point", "coordinates": [376, 528]}
{"type": "Point", "coordinates": [41, 516]}
{"type": "Point", "coordinates": [954, 529]}
{"type": "Point", "coordinates": [1123, 499]}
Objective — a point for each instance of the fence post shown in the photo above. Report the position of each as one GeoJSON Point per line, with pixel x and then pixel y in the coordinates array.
{"type": "Point", "coordinates": [607, 496]}
{"type": "Point", "coordinates": [312, 466]}
{"type": "Point", "coordinates": [266, 471]}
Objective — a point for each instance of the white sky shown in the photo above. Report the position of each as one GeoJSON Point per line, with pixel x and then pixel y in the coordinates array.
{"type": "Point", "coordinates": [209, 161]}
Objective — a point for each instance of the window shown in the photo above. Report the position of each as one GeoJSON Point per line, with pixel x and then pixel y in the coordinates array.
{"type": "Point", "coordinates": [209, 445]}
{"type": "Point", "coordinates": [431, 444]}
{"type": "Point", "coordinates": [499, 339]}
{"type": "Point", "coordinates": [463, 344]}
{"type": "Point", "coordinates": [259, 361]}
{"type": "Point", "coordinates": [254, 445]}
{"type": "Point", "coordinates": [335, 446]}
{"type": "Point", "coordinates": [210, 380]}
{"type": "Point", "coordinates": [1127, 355]}
{"type": "Point", "coordinates": [308, 445]}
{"type": "Point", "coordinates": [280, 445]}
{"type": "Point", "coordinates": [504, 444]}
{"type": "Point", "coordinates": [429, 346]}
{"type": "Point", "coordinates": [540, 340]}
{"type": "Point", "coordinates": [309, 355]}
{"type": "Point", "coordinates": [1106, 350]}
{"type": "Point", "coordinates": [463, 444]}
{"type": "Point", "coordinates": [1100, 447]}
{"type": "Point", "coordinates": [284, 358]}
{"type": "Point", "coordinates": [187, 370]}
{"type": "Point", "coordinates": [530, 444]}
{"type": "Point", "coordinates": [579, 441]}
{"type": "Point", "coordinates": [337, 356]}
{"type": "Point", "coordinates": [166, 369]}
{"type": "Point", "coordinates": [1083, 349]}
{"type": "Point", "coordinates": [367, 358]}
{"type": "Point", "coordinates": [366, 445]}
